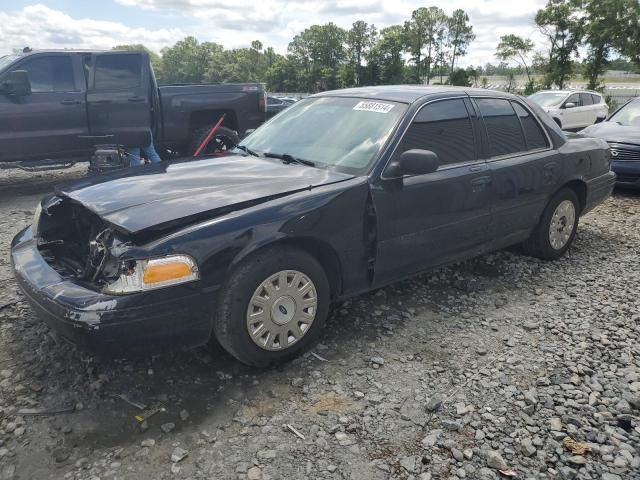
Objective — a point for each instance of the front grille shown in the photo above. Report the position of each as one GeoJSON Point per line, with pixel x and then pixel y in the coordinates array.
{"type": "Point", "coordinates": [627, 178]}
{"type": "Point", "coordinates": [621, 152]}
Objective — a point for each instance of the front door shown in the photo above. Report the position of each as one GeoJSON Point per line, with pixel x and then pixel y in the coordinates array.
{"type": "Point", "coordinates": [428, 220]}
{"type": "Point", "coordinates": [48, 122]}
{"type": "Point", "coordinates": [572, 117]}
{"type": "Point", "coordinates": [119, 100]}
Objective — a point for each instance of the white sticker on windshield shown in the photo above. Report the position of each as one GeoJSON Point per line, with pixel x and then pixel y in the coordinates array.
{"type": "Point", "coordinates": [374, 107]}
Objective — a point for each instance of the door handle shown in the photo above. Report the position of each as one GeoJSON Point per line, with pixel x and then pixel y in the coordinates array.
{"type": "Point", "coordinates": [475, 168]}
{"type": "Point", "coordinates": [136, 99]}
{"type": "Point", "coordinates": [480, 183]}
{"type": "Point", "coordinates": [70, 102]}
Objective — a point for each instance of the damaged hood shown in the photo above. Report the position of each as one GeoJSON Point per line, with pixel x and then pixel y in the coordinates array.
{"type": "Point", "coordinates": [143, 197]}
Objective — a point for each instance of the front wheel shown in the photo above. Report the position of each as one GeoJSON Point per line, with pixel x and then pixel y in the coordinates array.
{"type": "Point", "coordinates": [273, 306]}
{"type": "Point", "coordinates": [557, 228]}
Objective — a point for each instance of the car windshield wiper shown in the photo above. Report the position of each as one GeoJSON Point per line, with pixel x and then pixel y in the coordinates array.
{"type": "Point", "coordinates": [286, 158]}
{"type": "Point", "coordinates": [248, 150]}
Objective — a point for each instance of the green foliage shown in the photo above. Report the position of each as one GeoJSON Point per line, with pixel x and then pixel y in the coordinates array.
{"type": "Point", "coordinates": [515, 48]}
{"type": "Point", "coordinates": [460, 77]}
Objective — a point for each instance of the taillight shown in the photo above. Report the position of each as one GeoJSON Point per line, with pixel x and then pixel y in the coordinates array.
{"type": "Point", "coordinates": [262, 101]}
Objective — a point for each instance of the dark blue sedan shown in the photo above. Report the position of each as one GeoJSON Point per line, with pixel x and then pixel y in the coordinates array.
{"type": "Point", "coordinates": [622, 133]}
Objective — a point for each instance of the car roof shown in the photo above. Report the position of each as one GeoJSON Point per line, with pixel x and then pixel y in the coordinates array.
{"type": "Point", "coordinates": [410, 93]}
{"type": "Point", "coordinates": [567, 92]}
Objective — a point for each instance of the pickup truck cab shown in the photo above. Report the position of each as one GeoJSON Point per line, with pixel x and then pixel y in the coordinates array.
{"type": "Point", "coordinates": [572, 109]}
{"type": "Point", "coordinates": [61, 104]}
{"type": "Point", "coordinates": [341, 193]}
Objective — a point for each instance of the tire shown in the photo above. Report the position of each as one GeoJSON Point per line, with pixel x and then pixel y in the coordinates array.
{"type": "Point", "coordinates": [541, 243]}
{"type": "Point", "coordinates": [246, 285]}
{"type": "Point", "coordinates": [224, 139]}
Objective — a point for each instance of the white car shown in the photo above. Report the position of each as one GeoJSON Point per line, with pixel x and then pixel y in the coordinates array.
{"type": "Point", "coordinates": [572, 109]}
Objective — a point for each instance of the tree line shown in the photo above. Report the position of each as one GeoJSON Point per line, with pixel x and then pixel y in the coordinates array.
{"type": "Point", "coordinates": [424, 49]}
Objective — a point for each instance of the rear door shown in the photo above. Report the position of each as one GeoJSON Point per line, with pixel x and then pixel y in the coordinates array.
{"type": "Point", "coordinates": [48, 122]}
{"type": "Point", "coordinates": [524, 167]}
{"type": "Point", "coordinates": [119, 98]}
{"type": "Point", "coordinates": [590, 110]}
{"type": "Point", "coordinates": [428, 220]}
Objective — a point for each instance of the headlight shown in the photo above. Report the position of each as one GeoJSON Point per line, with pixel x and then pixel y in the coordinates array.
{"type": "Point", "coordinates": [143, 275]}
{"type": "Point", "coordinates": [36, 219]}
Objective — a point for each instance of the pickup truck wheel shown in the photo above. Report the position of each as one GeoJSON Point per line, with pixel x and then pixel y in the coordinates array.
{"type": "Point", "coordinates": [224, 139]}
{"type": "Point", "coordinates": [273, 306]}
{"type": "Point", "coordinates": [557, 228]}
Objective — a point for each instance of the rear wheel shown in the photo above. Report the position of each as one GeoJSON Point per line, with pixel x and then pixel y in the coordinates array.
{"type": "Point", "coordinates": [557, 228]}
{"type": "Point", "coordinates": [273, 306]}
{"type": "Point", "coordinates": [223, 140]}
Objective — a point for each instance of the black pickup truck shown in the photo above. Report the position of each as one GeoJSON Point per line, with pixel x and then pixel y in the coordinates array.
{"type": "Point", "coordinates": [59, 105]}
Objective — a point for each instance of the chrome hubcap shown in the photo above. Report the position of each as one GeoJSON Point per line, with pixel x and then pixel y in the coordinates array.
{"type": "Point", "coordinates": [281, 310]}
{"type": "Point", "coordinates": [562, 224]}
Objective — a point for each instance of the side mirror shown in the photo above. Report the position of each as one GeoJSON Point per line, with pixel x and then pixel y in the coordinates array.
{"type": "Point", "coordinates": [17, 83]}
{"type": "Point", "coordinates": [569, 105]}
{"type": "Point", "coordinates": [414, 162]}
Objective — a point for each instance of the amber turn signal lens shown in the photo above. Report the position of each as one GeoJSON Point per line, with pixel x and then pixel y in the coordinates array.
{"type": "Point", "coordinates": [163, 272]}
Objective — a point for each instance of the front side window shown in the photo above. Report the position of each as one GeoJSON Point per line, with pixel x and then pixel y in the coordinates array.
{"type": "Point", "coordinates": [533, 133]}
{"type": "Point", "coordinates": [503, 126]}
{"type": "Point", "coordinates": [118, 72]}
{"type": "Point", "coordinates": [50, 74]}
{"type": "Point", "coordinates": [345, 134]}
{"type": "Point", "coordinates": [443, 127]}
{"type": "Point", "coordinates": [596, 98]}
{"type": "Point", "coordinates": [575, 99]}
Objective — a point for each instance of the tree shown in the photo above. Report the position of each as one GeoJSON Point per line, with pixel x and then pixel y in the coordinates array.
{"type": "Point", "coordinates": [558, 21]}
{"type": "Point", "coordinates": [460, 35]}
{"type": "Point", "coordinates": [460, 78]}
{"type": "Point", "coordinates": [385, 57]}
{"type": "Point", "coordinates": [189, 61]}
{"type": "Point", "coordinates": [421, 32]}
{"type": "Point", "coordinates": [515, 48]}
{"type": "Point", "coordinates": [602, 33]}
{"type": "Point", "coordinates": [360, 39]}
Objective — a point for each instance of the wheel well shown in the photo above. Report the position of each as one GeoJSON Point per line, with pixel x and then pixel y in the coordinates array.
{"type": "Point", "coordinates": [209, 117]}
{"type": "Point", "coordinates": [323, 253]}
{"type": "Point", "coordinates": [580, 188]}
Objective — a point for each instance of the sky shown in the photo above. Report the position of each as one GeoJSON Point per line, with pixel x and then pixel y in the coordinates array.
{"type": "Point", "coordinates": [101, 24]}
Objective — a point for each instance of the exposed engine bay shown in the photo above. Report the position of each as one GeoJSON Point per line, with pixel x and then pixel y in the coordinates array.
{"type": "Point", "coordinates": [77, 243]}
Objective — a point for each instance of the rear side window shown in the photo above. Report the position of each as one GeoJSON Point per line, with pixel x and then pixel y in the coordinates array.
{"type": "Point", "coordinates": [118, 72]}
{"type": "Point", "coordinates": [50, 74]}
{"type": "Point", "coordinates": [586, 99]}
{"type": "Point", "coordinates": [444, 128]}
{"type": "Point", "coordinates": [503, 127]}
{"type": "Point", "coordinates": [533, 133]}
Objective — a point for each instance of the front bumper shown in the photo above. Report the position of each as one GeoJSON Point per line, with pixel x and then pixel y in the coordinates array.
{"type": "Point", "coordinates": [175, 317]}
{"type": "Point", "coordinates": [627, 172]}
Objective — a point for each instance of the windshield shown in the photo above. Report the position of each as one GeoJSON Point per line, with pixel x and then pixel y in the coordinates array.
{"type": "Point", "coordinates": [628, 115]}
{"type": "Point", "coordinates": [548, 99]}
{"type": "Point", "coordinates": [7, 59]}
{"type": "Point", "coordinates": [332, 132]}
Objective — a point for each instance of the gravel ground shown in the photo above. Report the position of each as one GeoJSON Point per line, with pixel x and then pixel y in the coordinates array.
{"type": "Point", "coordinates": [488, 365]}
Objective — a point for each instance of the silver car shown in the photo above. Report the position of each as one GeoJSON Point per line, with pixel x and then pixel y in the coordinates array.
{"type": "Point", "coordinates": [572, 109]}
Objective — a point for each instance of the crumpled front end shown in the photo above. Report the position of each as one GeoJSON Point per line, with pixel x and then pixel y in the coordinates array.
{"type": "Point", "coordinates": [63, 264]}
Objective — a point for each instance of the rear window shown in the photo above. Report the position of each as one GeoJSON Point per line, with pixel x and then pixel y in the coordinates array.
{"type": "Point", "coordinates": [118, 72]}
{"type": "Point", "coordinates": [503, 126]}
